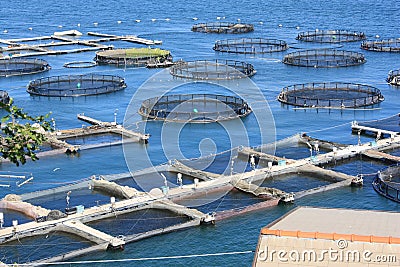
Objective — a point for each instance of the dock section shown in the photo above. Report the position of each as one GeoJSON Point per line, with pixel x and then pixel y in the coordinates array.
{"type": "Point", "coordinates": [20, 48]}
{"type": "Point", "coordinates": [135, 200]}
{"type": "Point", "coordinates": [91, 234]}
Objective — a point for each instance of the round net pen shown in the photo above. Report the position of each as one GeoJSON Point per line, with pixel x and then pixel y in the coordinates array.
{"type": "Point", "coordinates": [80, 64]}
{"type": "Point", "coordinates": [250, 46]}
{"type": "Point", "coordinates": [330, 95]}
{"type": "Point", "coordinates": [387, 183]}
{"type": "Point", "coordinates": [212, 70]}
{"type": "Point", "coordinates": [22, 66]}
{"type": "Point", "coordinates": [389, 45]}
{"type": "Point", "coordinates": [222, 27]}
{"type": "Point", "coordinates": [194, 108]}
{"type": "Point", "coordinates": [4, 97]}
{"type": "Point", "coordinates": [324, 58]}
{"type": "Point", "coordinates": [330, 36]}
{"type": "Point", "coordinates": [135, 57]}
{"type": "Point", "coordinates": [394, 77]}
{"type": "Point", "coordinates": [76, 85]}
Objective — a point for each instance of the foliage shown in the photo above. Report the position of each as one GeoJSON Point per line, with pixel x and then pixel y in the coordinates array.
{"type": "Point", "coordinates": [21, 140]}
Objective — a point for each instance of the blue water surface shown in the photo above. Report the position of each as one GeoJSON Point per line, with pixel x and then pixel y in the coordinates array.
{"type": "Point", "coordinates": [171, 21]}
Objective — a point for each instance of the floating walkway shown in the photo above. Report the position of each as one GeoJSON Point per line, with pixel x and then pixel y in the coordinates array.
{"type": "Point", "coordinates": [20, 48]}
{"type": "Point", "coordinates": [356, 127]}
{"type": "Point", "coordinates": [381, 156]}
{"type": "Point", "coordinates": [134, 200]}
{"type": "Point", "coordinates": [58, 139]}
{"type": "Point", "coordinates": [128, 38]}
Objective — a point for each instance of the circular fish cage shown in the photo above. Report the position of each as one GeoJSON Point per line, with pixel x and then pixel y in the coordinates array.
{"type": "Point", "coordinates": [330, 36]}
{"type": "Point", "coordinates": [330, 95]}
{"type": "Point", "coordinates": [212, 69]}
{"type": "Point", "coordinates": [4, 97]}
{"type": "Point", "coordinates": [387, 183]}
{"type": "Point", "coordinates": [250, 46]}
{"type": "Point", "coordinates": [135, 57]}
{"type": "Point", "coordinates": [222, 27]}
{"type": "Point", "coordinates": [80, 64]}
{"type": "Point", "coordinates": [324, 58]}
{"type": "Point", "coordinates": [389, 45]}
{"type": "Point", "coordinates": [194, 108]}
{"type": "Point", "coordinates": [394, 77]}
{"type": "Point", "coordinates": [76, 85]}
{"type": "Point", "coordinates": [22, 66]}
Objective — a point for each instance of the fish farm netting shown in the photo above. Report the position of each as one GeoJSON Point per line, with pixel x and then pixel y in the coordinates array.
{"type": "Point", "coordinates": [330, 95]}
{"type": "Point", "coordinates": [389, 45]}
{"type": "Point", "coordinates": [222, 27]}
{"type": "Point", "coordinates": [194, 108]}
{"type": "Point", "coordinates": [76, 85]}
{"type": "Point", "coordinates": [135, 57]}
{"type": "Point", "coordinates": [80, 64]}
{"type": "Point", "coordinates": [250, 45]}
{"type": "Point", "coordinates": [22, 66]}
{"type": "Point", "coordinates": [330, 36]}
{"type": "Point", "coordinates": [391, 123]}
{"type": "Point", "coordinates": [387, 183]}
{"type": "Point", "coordinates": [4, 97]}
{"type": "Point", "coordinates": [324, 58]}
{"type": "Point", "coordinates": [394, 77]}
{"type": "Point", "coordinates": [212, 69]}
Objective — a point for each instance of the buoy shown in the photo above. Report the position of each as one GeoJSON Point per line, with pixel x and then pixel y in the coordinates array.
{"type": "Point", "coordinates": [78, 85]}
{"type": "Point", "coordinates": [280, 25]}
{"type": "Point", "coordinates": [377, 36]}
{"type": "Point", "coordinates": [316, 30]}
{"type": "Point", "coordinates": [195, 18]}
{"type": "Point", "coordinates": [5, 31]}
{"type": "Point", "coordinates": [195, 110]}
{"type": "Point", "coordinates": [30, 28]}
{"type": "Point", "coordinates": [95, 23]}
{"type": "Point", "coordinates": [138, 20]}
{"type": "Point", "coordinates": [297, 28]}
{"type": "Point", "coordinates": [78, 25]}
{"type": "Point", "coordinates": [59, 26]}
{"type": "Point", "coordinates": [167, 19]}
{"type": "Point", "coordinates": [261, 22]}
{"type": "Point", "coordinates": [218, 18]}
{"type": "Point", "coordinates": [238, 19]}
{"type": "Point", "coordinates": [153, 20]}
{"type": "Point", "coordinates": [119, 22]}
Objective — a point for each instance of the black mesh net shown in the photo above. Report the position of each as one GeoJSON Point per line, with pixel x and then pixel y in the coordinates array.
{"type": "Point", "coordinates": [76, 85]}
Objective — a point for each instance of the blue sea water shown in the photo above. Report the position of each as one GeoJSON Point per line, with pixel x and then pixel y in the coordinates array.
{"type": "Point", "coordinates": [172, 25]}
